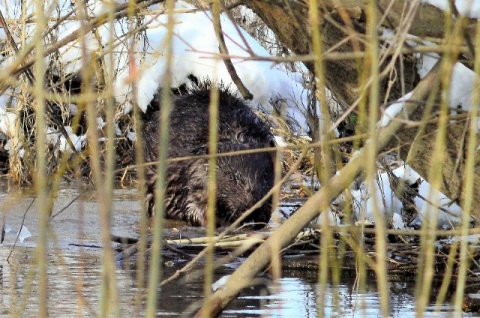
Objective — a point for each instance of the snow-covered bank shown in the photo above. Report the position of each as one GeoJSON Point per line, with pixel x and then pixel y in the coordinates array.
{"type": "Point", "coordinates": [428, 202]}
{"type": "Point", "coordinates": [463, 83]}
{"type": "Point", "coordinates": [195, 52]}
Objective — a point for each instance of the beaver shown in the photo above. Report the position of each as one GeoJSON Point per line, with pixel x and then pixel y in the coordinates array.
{"type": "Point", "coordinates": [242, 179]}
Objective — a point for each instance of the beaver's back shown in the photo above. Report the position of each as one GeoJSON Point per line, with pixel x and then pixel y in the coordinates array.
{"type": "Point", "coordinates": [239, 129]}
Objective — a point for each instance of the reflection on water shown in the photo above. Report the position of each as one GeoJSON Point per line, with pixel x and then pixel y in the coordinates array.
{"type": "Point", "coordinates": [74, 275]}
{"type": "Point", "coordinates": [75, 284]}
{"type": "Point", "coordinates": [295, 295]}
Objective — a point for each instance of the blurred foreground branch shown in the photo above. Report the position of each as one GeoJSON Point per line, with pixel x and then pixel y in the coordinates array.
{"type": "Point", "coordinates": [282, 236]}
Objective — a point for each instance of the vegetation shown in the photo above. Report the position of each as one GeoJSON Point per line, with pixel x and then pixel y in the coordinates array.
{"type": "Point", "coordinates": [344, 45]}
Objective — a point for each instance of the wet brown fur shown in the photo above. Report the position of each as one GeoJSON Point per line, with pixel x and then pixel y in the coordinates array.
{"type": "Point", "coordinates": [242, 180]}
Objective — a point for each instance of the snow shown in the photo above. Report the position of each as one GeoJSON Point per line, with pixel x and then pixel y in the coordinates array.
{"type": "Point", "coordinates": [57, 139]}
{"type": "Point", "coordinates": [14, 147]}
{"type": "Point", "coordinates": [280, 142]}
{"type": "Point", "coordinates": [461, 83]}
{"type": "Point", "coordinates": [7, 122]}
{"type": "Point", "coordinates": [100, 123]}
{"type": "Point", "coordinates": [77, 141]}
{"type": "Point", "coordinates": [220, 283]}
{"type": "Point", "coordinates": [393, 110]}
{"type": "Point", "coordinates": [7, 99]}
{"type": "Point", "coordinates": [118, 131]}
{"type": "Point", "coordinates": [407, 174]}
{"type": "Point", "coordinates": [381, 198]}
{"type": "Point", "coordinates": [466, 8]}
{"type": "Point", "coordinates": [384, 200]}
{"type": "Point", "coordinates": [432, 201]}
{"type": "Point", "coordinates": [328, 216]}
{"type": "Point", "coordinates": [195, 50]}
{"type": "Point", "coordinates": [425, 62]}
{"type": "Point", "coordinates": [131, 135]}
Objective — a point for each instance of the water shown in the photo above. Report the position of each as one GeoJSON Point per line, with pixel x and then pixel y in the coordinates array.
{"type": "Point", "coordinates": [75, 264]}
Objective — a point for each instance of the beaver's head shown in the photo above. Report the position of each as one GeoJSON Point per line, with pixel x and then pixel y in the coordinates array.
{"type": "Point", "coordinates": [242, 181]}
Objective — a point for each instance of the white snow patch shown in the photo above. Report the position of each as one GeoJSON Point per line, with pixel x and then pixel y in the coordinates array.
{"type": "Point", "coordinates": [461, 83]}
{"type": "Point", "coordinates": [407, 174]}
{"type": "Point", "coordinates": [427, 202]}
{"type": "Point", "coordinates": [73, 109]}
{"type": "Point", "coordinates": [8, 98]}
{"type": "Point", "coordinates": [280, 142]}
{"type": "Point", "coordinates": [118, 131]}
{"type": "Point", "coordinates": [14, 147]}
{"type": "Point", "coordinates": [195, 51]}
{"type": "Point", "coordinates": [393, 110]}
{"type": "Point", "coordinates": [54, 137]}
{"type": "Point", "coordinates": [7, 122]}
{"type": "Point", "coordinates": [466, 8]}
{"type": "Point", "coordinates": [100, 123]}
{"type": "Point", "coordinates": [24, 234]}
{"type": "Point", "coordinates": [431, 201]}
{"type": "Point", "coordinates": [78, 141]}
{"type": "Point", "coordinates": [220, 283]}
{"type": "Point", "coordinates": [381, 198]}
{"type": "Point", "coordinates": [131, 135]}
{"type": "Point", "coordinates": [329, 217]}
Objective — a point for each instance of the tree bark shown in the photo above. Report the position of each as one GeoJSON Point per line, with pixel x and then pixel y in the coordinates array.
{"type": "Point", "coordinates": [343, 30]}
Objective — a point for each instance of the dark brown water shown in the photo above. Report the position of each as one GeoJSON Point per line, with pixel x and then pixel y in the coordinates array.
{"type": "Point", "coordinates": [75, 266]}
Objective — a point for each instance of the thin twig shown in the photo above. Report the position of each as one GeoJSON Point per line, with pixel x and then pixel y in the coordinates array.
{"type": "Point", "coordinates": [20, 229]}
{"type": "Point", "coordinates": [71, 202]}
{"type": "Point", "coordinates": [222, 47]}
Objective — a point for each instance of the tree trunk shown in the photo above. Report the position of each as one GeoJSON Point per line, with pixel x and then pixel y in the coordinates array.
{"type": "Point", "coordinates": [342, 30]}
